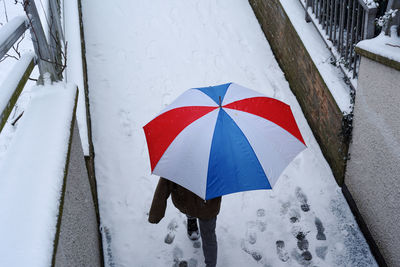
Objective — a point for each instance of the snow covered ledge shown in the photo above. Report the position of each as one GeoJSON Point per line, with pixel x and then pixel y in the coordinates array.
{"type": "Point", "coordinates": [372, 175]}
{"type": "Point", "coordinates": [33, 175]}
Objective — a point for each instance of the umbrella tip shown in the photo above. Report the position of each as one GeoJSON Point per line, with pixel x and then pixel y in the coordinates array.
{"type": "Point", "coordinates": [220, 102]}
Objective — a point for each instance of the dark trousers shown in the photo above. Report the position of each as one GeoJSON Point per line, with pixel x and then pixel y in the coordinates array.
{"type": "Point", "coordinates": [209, 240]}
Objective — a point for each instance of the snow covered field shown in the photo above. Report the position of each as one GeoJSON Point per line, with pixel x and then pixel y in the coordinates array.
{"type": "Point", "coordinates": [141, 55]}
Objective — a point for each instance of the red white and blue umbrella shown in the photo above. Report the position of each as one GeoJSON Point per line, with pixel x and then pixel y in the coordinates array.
{"type": "Point", "coordinates": [223, 139]}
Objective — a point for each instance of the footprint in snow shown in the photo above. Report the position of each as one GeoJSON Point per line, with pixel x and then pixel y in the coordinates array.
{"type": "Point", "coordinates": [302, 242]}
{"type": "Point", "coordinates": [251, 234]}
{"type": "Point", "coordinates": [125, 121]}
{"type": "Point", "coordinates": [261, 213]}
{"type": "Point", "coordinates": [321, 251]}
{"type": "Point", "coordinates": [179, 261]}
{"type": "Point", "coordinates": [294, 216]}
{"type": "Point", "coordinates": [169, 238]}
{"type": "Point", "coordinates": [177, 254]}
{"type": "Point", "coordinates": [172, 226]}
{"type": "Point", "coordinates": [285, 208]}
{"type": "Point", "coordinates": [182, 263]}
{"type": "Point", "coordinates": [261, 225]}
{"type": "Point", "coordinates": [255, 226]}
{"type": "Point", "coordinates": [197, 244]}
{"type": "Point", "coordinates": [281, 251]}
{"type": "Point", "coordinates": [166, 99]}
{"type": "Point", "coordinates": [302, 198]}
{"type": "Point", "coordinates": [320, 229]}
{"type": "Point", "coordinates": [305, 257]}
{"type": "Point", "coordinates": [192, 263]}
{"type": "Point", "coordinates": [256, 255]}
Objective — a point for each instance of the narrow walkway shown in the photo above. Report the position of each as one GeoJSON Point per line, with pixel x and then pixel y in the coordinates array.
{"type": "Point", "coordinates": [143, 54]}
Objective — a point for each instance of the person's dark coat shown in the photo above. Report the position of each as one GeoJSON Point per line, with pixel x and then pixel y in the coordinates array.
{"type": "Point", "coordinates": [184, 200]}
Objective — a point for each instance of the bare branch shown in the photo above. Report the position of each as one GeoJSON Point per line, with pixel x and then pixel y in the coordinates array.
{"type": "Point", "coordinates": [16, 46]}
{"type": "Point", "coordinates": [64, 54]}
{"type": "Point", "coordinates": [19, 117]}
{"type": "Point", "coordinates": [393, 45]}
{"type": "Point", "coordinates": [5, 10]}
{"type": "Point", "coordinates": [7, 56]}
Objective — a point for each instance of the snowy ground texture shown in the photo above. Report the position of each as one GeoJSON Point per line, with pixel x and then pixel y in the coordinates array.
{"type": "Point", "coordinates": [142, 55]}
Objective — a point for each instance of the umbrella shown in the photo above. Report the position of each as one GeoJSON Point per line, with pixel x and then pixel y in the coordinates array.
{"type": "Point", "coordinates": [223, 139]}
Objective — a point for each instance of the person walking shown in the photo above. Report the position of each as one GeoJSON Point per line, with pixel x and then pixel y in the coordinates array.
{"type": "Point", "coordinates": [195, 208]}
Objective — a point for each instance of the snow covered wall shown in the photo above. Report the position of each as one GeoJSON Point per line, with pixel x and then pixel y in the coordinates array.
{"type": "Point", "coordinates": [374, 168]}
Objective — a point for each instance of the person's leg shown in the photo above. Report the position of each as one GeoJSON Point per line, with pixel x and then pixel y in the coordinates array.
{"type": "Point", "coordinates": [192, 229]}
{"type": "Point", "coordinates": [209, 239]}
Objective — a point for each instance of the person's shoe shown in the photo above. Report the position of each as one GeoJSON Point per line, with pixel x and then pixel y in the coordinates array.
{"type": "Point", "coordinates": [192, 229]}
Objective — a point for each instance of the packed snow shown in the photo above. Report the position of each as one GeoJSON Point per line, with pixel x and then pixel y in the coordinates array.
{"type": "Point", "coordinates": [32, 174]}
{"type": "Point", "coordinates": [141, 55]}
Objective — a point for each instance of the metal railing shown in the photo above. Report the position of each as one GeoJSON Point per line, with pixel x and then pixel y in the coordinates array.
{"type": "Point", "coordinates": [343, 23]}
{"type": "Point", "coordinates": [45, 55]}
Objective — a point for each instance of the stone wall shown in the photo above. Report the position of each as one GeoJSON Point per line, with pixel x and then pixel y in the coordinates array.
{"type": "Point", "coordinates": [318, 105]}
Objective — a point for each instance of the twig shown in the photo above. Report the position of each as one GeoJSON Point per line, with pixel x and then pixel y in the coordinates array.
{"type": "Point", "coordinates": [5, 10]}
{"type": "Point", "coordinates": [19, 116]}
{"type": "Point", "coordinates": [16, 46]}
{"type": "Point", "coordinates": [64, 55]}
{"type": "Point", "coordinates": [393, 45]}
{"type": "Point", "coordinates": [7, 56]}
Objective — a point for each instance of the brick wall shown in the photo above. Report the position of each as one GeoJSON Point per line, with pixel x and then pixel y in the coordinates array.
{"type": "Point", "coordinates": [318, 105]}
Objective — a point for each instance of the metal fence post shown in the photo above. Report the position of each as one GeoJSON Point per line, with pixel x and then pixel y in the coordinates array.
{"type": "Point", "coordinates": [344, 23]}
{"type": "Point", "coordinates": [369, 24]}
{"type": "Point", "coordinates": [46, 61]}
{"type": "Point", "coordinates": [308, 4]}
{"type": "Point", "coordinates": [56, 35]}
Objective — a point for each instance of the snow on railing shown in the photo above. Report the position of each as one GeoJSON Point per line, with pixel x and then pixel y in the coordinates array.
{"type": "Point", "coordinates": [11, 32]}
{"type": "Point", "coordinates": [45, 56]}
{"type": "Point", "coordinates": [342, 24]}
{"type": "Point", "coordinates": [12, 86]}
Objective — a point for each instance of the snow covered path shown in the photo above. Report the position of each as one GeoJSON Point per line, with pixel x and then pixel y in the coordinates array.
{"type": "Point", "coordinates": [143, 54]}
